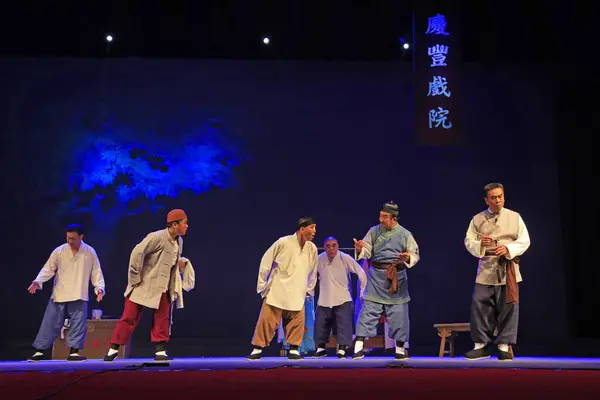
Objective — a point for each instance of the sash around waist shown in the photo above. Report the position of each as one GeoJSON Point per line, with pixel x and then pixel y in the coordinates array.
{"type": "Point", "coordinates": [380, 265]}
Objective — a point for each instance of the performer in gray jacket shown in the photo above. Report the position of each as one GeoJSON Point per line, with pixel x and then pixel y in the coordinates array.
{"type": "Point", "coordinates": [155, 267]}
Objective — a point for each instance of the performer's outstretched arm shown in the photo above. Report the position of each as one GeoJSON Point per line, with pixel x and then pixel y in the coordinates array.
{"type": "Point", "coordinates": [48, 270]}
{"type": "Point", "coordinates": [366, 249]}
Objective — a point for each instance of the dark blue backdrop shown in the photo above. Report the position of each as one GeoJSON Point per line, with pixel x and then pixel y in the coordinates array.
{"type": "Point", "coordinates": [248, 147]}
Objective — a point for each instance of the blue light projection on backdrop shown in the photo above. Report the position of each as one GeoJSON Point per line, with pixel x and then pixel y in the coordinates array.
{"type": "Point", "coordinates": [118, 172]}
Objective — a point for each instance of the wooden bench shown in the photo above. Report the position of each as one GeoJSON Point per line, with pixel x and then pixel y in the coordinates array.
{"type": "Point", "coordinates": [448, 332]}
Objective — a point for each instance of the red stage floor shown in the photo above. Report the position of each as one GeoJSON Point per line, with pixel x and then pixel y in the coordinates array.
{"type": "Point", "coordinates": [208, 378]}
{"type": "Point", "coordinates": [291, 383]}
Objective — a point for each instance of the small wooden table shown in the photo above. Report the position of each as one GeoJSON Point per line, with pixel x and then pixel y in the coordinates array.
{"type": "Point", "coordinates": [448, 332]}
{"type": "Point", "coordinates": [97, 341]}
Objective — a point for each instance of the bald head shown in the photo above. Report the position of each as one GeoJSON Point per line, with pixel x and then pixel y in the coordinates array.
{"type": "Point", "coordinates": [329, 239]}
{"type": "Point", "coordinates": [331, 247]}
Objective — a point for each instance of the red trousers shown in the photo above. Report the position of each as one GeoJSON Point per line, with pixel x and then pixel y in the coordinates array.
{"type": "Point", "coordinates": [131, 316]}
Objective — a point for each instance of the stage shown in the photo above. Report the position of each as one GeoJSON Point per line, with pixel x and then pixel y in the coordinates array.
{"type": "Point", "coordinates": [187, 378]}
{"type": "Point", "coordinates": [236, 363]}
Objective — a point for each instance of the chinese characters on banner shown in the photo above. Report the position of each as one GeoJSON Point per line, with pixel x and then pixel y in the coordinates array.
{"type": "Point", "coordinates": [436, 58]}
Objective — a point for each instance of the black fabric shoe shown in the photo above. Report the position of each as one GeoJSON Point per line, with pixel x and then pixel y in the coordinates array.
{"type": "Point", "coordinates": [478, 354]}
{"type": "Point", "coordinates": [359, 355]}
{"type": "Point", "coordinates": [294, 356]}
{"type": "Point", "coordinates": [255, 356]}
{"type": "Point", "coordinates": [162, 357]}
{"type": "Point", "coordinates": [111, 357]}
{"type": "Point", "coordinates": [36, 357]}
{"type": "Point", "coordinates": [401, 356]}
{"type": "Point", "coordinates": [319, 354]}
{"type": "Point", "coordinates": [504, 356]}
{"type": "Point", "coordinates": [341, 355]}
{"type": "Point", "coordinates": [76, 357]}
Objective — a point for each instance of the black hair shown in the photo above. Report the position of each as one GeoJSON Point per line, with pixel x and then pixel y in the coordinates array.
{"type": "Point", "coordinates": [75, 228]}
{"type": "Point", "coordinates": [491, 186]}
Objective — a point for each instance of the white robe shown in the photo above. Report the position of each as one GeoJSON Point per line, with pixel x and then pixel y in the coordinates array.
{"type": "Point", "coordinates": [288, 273]}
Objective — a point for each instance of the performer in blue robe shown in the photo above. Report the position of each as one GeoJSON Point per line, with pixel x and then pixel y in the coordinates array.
{"type": "Point", "coordinates": [389, 249]}
{"type": "Point", "coordinates": [308, 342]}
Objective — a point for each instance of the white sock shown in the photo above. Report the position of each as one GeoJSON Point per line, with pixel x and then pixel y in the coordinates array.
{"type": "Point", "coordinates": [399, 350]}
{"type": "Point", "coordinates": [256, 351]}
{"type": "Point", "coordinates": [358, 346]}
{"type": "Point", "coordinates": [161, 353]}
{"type": "Point", "coordinates": [38, 354]}
{"type": "Point", "coordinates": [320, 349]}
{"type": "Point", "coordinates": [342, 352]}
{"type": "Point", "coordinates": [503, 347]}
{"type": "Point", "coordinates": [74, 354]}
{"type": "Point", "coordinates": [296, 352]}
{"type": "Point", "coordinates": [112, 351]}
{"type": "Point", "coordinates": [479, 346]}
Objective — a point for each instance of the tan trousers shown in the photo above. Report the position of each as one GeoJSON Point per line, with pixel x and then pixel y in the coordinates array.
{"type": "Point", "coordinates": [268, 322]}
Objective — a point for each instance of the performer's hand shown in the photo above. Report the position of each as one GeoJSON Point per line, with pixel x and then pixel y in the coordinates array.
{"type": "Point", "coordinates": [358, 245]}
{"type": "Point", "coordinates": [404, 256]}
{"type": "Point", "coordinates": [308, 298]}
{"type": "Point", "coordinates": [486, 241]}
{"type": "Point", "coordinates": [501, 250]}
{"type": "Point", "coordinates": [34, 287]}
{"type": "Point", "coordinates": [99, 296]}
{"type": "Point", "coordinates": [182, 263]}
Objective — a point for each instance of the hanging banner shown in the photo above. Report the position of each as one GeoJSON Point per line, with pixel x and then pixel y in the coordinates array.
{"type": "Point", "coordinates": [436, 58]}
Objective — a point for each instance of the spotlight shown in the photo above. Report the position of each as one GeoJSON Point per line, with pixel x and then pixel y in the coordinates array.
{"type": "Point", "coordinates": [266, 40]}
{"type": "Point", "coordinates": [109, 38]}
{"type": "Point", "coordinates": [405, 46]}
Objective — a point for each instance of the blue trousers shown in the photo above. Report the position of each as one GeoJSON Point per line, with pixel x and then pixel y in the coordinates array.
{"type": "Point", "coordinates": [339, 318]}
{"type": "Point", "coordinates": [53, 321]}
{"type": "Point", "coordinates": [397, 317]}
{"type": "Point", "coordinates": [488, 311]}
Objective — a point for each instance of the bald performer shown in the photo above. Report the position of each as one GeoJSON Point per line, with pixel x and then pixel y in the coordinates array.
{"type": "Point", "coordinates": [335, 307]}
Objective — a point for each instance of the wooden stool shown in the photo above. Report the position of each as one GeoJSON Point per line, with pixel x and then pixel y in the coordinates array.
{"type": "Point", "coordinates": [448, 332]}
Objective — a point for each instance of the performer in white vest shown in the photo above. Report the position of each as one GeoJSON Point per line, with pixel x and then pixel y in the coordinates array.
{"type": "Point", "coordinates": [497, 237]}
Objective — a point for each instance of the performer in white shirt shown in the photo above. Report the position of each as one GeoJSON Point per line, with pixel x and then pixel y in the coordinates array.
{"type": "Point", "coordinates": [73, 265]}
{"type": "Point", "coordinates": [286, 277]}
{"type": "Point", "coordinates": [497, 237]}
{"type": "Point", "coordinates": [335, 307]}
{"type": "Point", "coordinates": [157, 275]}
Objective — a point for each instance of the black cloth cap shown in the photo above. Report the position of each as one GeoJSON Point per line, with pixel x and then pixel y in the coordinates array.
{"type": "Point", "coordinates": [305, 221]}
{"type": "Point", "coordinates": [391, 207]}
